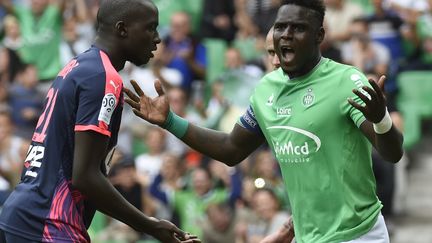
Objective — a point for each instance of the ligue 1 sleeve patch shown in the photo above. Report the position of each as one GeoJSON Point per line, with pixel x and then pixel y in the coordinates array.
{"type": "Point", "coordinates": [108, 105]}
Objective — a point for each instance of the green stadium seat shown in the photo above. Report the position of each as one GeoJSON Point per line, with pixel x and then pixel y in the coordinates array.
{"type": "Point", "coordinates": [414, 102]}
{"type": "Point", "coordinates": [215, 52]}
{"type": "Point", "coordinates": [99, 223]}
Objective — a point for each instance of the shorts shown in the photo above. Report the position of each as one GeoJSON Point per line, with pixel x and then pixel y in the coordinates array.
{"type": "Point", "coordinates": [378, 233]}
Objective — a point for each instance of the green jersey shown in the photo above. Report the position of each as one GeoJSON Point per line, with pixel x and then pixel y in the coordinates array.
{"type": "Point", "coordinates": [41, 40]}
{"type": "Point", "coordinates": [191, 208]}
{"type": "Point", "coordinates": [324, 157]}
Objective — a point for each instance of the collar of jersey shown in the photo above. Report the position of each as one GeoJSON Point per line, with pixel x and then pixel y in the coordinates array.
{"type": "Point", "coordinates": [303, 76]}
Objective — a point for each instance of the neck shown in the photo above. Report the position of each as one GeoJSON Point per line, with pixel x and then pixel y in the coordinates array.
{"type": "Point", "coordinates": [306, 69]}
{"type": "Point", "coordinates": [110, 48]}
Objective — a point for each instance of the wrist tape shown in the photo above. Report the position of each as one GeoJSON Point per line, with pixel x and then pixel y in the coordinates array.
{"type": "Point", "coordinates": [384, 125]}
{"type": "Point", "coordinates": [176, 125]}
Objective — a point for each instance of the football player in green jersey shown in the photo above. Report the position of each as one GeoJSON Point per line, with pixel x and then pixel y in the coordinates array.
{"type": "Point", "coordinates": [320, 119]}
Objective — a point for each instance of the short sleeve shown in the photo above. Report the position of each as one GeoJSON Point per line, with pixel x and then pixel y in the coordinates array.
{"type": "Point", "coordinates": [97, 99]}
{"type": "Point", "coordinates": [249, 121]}
{"type": "Point", "coordinates": [353, 79]}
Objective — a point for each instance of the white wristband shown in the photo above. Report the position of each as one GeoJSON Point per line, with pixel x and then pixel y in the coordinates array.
{"type": "Point", "coordinates": [384, 125]}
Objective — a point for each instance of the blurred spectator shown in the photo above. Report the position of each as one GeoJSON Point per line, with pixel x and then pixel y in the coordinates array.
{"type": "Point", "coordinates": [328, 47]}
{"type": "Point", "coordinates": [184, 52]}
{"type": "Point", "coordinates": [408, 10]}
{"type": "Point", "coordinates": [25, 100]}
{"type": "Point", "coordinates": [218, 20]}
{"type": "Point", "coordinates": [385, 28]}
{"type": "Point", "coordinates": [12, 42]}
{"type": "Point", "coordinates": [263, 13]}
{"type": "Point", "coordinates": [247, 39]}
{"type": "Point", "coordinates": [360, 51]}
{"type": "Point", "coordinates": [125, 179]}
{"type": "Point", "coordinates": [179, 103]}
{"type": "Point", "coordinates": [270, 218]}
{"type": "Point", "coordinates": [233, 88]}
{"type": "Point", "coordinates": [41, 32]}
{"type": "Point", "coordinates": [220, 224]}
{"type": "Point", "coordinates": [155, 69]}
{"type": "Point", "coordinates": [72, 43]}
{"type": "Point", "coordinates": [424, 32]}
{"type": "Point", "coordinates": [267, 175]}
{"type": "Point", "coordinates": [339, 15]}
{"type": "Point", "coordinates": [12, 39]}
{"type": "Point", "coordinates": [4, 68]}
{"type": "Point", "coordinates": [191, 204]}
{"type": "Point", "coordinates": [10, 151]}
{"type": "Point", "coordinates": [149, 163]}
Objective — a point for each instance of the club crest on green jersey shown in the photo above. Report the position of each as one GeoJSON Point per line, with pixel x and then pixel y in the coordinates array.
{"type": "Point", "coordinates": [309, 98]}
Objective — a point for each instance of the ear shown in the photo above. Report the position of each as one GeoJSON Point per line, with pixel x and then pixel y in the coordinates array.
{"type": "Point", "coordinates": [320, 35]}
{"type": "Point", "coordinates": [121, 29]}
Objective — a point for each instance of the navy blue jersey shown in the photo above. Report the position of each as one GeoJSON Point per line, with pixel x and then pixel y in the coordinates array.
{"type": "Point", "coordinates": [86, 95]}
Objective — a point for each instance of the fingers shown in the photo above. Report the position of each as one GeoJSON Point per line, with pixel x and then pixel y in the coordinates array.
{"type": "Point", "coordinates": [373, 95]}
{"type": "Point", "coordinates": [191, 239]}
{"type": "Point", "coordinates": [158, 87]}
{"type": "Point", "coordinates": [131, 95]}
{"type": "Point", "coordinates": [133, 104]}
{"type": "Point", "coordinates": [137, 88]}
{"type": "Point", "coordinates": [357, 106]}
{"type": "Point", "coordinates": [139, 114]}
{"type": "Point", "coordinates": [381, 82]}
{"type": "Point", "coordinates": [362, 96]}
{"type": "Point", "coordinates": [179, 233]}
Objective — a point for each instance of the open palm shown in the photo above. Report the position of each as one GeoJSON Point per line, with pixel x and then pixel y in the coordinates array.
{"type": "Point", "coordinates": [152, 110]}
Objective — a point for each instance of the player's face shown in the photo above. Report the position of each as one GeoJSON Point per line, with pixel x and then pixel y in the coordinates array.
{"type": "Point", "coordinates": [143, 37]}
{"type": "Point", "coordinates": [297, 35]}
{"type": "Point", "coordinates": [272, 58]}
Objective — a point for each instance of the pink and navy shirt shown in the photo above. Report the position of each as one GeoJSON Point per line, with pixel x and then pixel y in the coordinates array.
{"type": "Point", "coordinates": [86, 95]}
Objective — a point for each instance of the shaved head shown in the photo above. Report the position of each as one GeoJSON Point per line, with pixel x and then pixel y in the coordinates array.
{"type": "Point", "coordinates": [112, 11]}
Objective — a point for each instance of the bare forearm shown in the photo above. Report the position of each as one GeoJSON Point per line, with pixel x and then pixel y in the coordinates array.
{"type": "Point", "coordinates": [212, 143]}
{"type": "Point", "coordinates": [109, 201]}
{"type": "Point", "coordinates": [230, 148]}
{"type": "Point", "coordinates": [389, 145]}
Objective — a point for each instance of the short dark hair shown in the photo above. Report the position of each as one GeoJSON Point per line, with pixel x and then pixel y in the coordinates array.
{"type": "Point", "coordinates": [111, 11]}
{"type": "Point", "coordinates": [316, 5]}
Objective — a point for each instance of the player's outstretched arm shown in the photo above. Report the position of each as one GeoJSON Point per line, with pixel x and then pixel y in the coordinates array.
{"type": "Point", "coordinates": [230, 148]}
{"type": "Point", "coordinates": [378, 126]}
{"type": "Point", "coordinates": [90, 150]}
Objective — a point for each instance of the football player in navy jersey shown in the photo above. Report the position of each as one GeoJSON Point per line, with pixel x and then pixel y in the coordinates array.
{"type": "Point", "coordinates": [64, 176]}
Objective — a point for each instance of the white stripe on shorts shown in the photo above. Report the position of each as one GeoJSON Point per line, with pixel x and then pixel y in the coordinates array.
{"type": "Point", "coordinates": [378, 233]}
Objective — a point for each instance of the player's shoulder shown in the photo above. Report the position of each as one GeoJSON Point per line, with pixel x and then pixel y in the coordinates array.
{"type": "Point", "coordinates": [274, 77]}
{"type": "Point", "coordinates": [342, 72]}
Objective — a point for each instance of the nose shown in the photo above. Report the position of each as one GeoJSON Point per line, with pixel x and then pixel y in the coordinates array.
{"type": "Point", "coordinates": [157, 38]}
{"type": "Point", "coordinates": [275, 61]}
{"type": "Point", "coordinates": [287, 33]}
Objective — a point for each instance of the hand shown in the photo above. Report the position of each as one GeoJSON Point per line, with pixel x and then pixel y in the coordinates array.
{"type": "Point", "coordinates": [375, 107]}
{"type": "Point", "coordinates": [167, 232]}
{"type": "Point", "coordinates": [283, 235]}
{"type": "Point", "coordinates": [190, 239]}
{"type": "Point", "coordinates": [152, 110]}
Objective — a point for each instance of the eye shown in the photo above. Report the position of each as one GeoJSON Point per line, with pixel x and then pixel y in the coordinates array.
{"type": "Point", "coordinates": [279, 27]}
{"type": "Point", "coordinates": [299, 28]}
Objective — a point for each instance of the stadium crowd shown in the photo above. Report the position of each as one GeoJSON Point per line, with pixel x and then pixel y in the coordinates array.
{"type": "Point", "coordinates": [212, 55]}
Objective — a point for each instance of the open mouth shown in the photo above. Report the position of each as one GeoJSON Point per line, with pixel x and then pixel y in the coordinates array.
{"type": "Point", "coordinates": [286, 50]}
